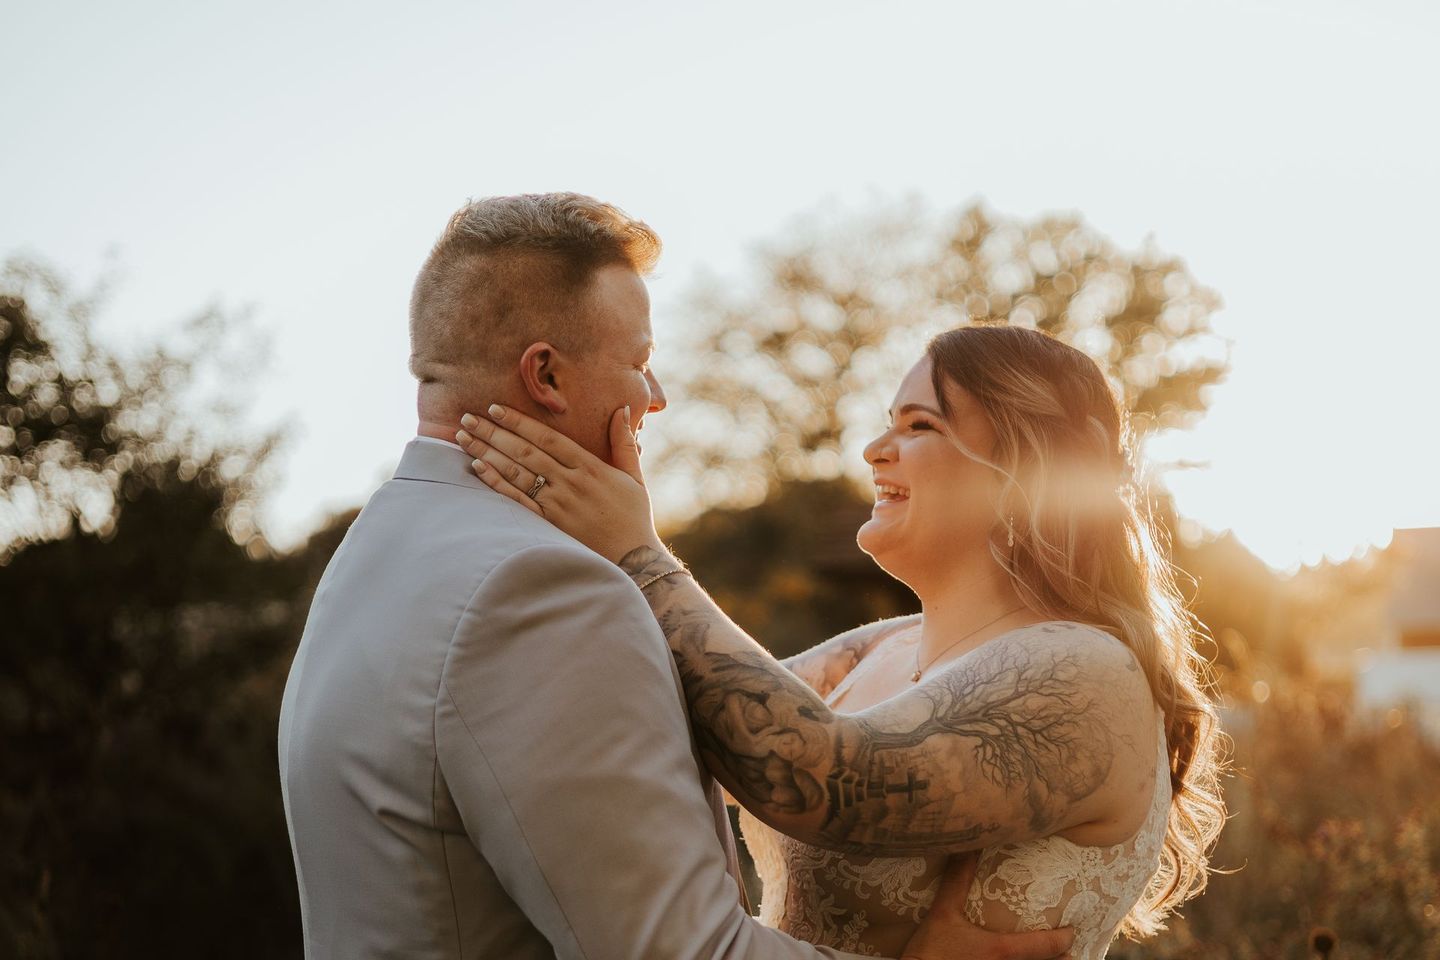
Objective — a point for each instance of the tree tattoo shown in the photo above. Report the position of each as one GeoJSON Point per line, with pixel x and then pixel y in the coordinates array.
{"type": "Point", "coordinates": [999, 745]}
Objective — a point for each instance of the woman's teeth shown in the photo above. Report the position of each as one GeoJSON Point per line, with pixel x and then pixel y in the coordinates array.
{"type": "Point", "coordinates": [889, 494]}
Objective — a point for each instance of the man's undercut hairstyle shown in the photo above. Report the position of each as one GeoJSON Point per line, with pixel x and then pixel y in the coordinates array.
{"type": "Point", "coordinates": [510, 271]}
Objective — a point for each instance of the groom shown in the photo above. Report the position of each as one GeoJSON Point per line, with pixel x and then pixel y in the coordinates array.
{"type": "Point", "coordinates": [483, 747]}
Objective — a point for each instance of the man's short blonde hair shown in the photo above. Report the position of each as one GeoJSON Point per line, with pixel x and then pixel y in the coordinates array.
{"type": "Point", "coordinates": [509, 271]}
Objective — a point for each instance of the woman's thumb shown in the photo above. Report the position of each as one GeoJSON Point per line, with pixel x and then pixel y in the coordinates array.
{"type": "Point", "coordinates": [624, 450]}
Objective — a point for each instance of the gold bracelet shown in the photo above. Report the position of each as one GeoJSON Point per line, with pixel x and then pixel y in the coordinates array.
{"type": "Point", "coordinates": [662, 576]}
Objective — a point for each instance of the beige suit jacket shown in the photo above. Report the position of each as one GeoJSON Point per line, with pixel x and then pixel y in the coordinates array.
{"type": "Point", "coordinates": [484, 751]}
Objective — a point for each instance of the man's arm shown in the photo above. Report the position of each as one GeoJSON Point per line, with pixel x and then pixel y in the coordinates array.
{"type": "Point", "coordinates": [1014, 742]}
{"type": "Point", "coordinates": [562, 740]}
{"type": "Point", "coordinates": [824, 665]}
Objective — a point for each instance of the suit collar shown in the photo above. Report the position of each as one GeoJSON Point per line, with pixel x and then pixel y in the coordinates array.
{"type": "Point", "coordinates": [434, 463]}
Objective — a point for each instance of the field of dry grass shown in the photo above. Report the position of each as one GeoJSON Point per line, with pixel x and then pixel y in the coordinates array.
{"type": "Point", "coordinates": [1335, 826]}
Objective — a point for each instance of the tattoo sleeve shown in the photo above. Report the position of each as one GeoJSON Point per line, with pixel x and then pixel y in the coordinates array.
{"type": "Point", "coordinates": [824, 665]}
{"type": "Point", "coordinates": [1003, 746]}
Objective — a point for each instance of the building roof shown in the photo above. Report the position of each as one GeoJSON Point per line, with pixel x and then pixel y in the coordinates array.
{"type": "Point", "coordinates": [1415, 602]}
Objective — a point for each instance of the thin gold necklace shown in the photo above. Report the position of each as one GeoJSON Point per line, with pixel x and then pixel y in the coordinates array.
{"type": "Point", "coordinates": [915, 677]}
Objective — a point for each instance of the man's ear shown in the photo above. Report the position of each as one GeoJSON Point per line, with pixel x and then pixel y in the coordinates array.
{"type": "Point", "coordinates": [539, 370]}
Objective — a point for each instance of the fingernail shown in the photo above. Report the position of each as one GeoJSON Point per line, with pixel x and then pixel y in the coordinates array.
{"type": "Point", "coordinates": [627, 415]}
{"type": "Point", "coordinates": [462, 438]}
{"type": "Point", "coordinates": [476, 465]}
{"type": "Point", "coordinates": [496, 411]}
{"type": "Point", "coordinates": [470, 421]}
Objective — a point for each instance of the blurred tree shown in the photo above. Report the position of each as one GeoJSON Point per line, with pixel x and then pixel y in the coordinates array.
{"type": "Point", "coordinates": [145, 629]}
{"type": "Point", "coordinates": [788, 569]}
{"type": "Point", "coordinates": [777, 389]}
{"type": "Point", "coordinates": [83, 429]}
{"type": "Point", "coordinates": [787, 381]}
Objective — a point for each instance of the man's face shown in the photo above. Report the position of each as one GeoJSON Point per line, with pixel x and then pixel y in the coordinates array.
{"type": "Point", "coordinates": [616, 370]}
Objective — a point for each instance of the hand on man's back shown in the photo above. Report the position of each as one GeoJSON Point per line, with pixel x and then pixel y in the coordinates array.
{"type": "Point", "coordinates": [947, 934]}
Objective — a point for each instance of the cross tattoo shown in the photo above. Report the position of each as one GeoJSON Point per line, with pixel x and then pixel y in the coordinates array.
{"type": "Point", "coordinates": [909, 787]}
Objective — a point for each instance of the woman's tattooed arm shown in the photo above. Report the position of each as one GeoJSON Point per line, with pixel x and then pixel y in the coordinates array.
{"type": "Point", "coordinates": [824, 665]}
{"type": "Point", "coordinates": [1012, 742]}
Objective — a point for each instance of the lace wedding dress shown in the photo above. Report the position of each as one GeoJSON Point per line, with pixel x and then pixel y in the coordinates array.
{"type": "Point", "coordinates": [868, 905]}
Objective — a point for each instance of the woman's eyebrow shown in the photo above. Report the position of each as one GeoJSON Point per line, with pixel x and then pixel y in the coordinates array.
{"type": "Point", "coordinates": [892, 413]}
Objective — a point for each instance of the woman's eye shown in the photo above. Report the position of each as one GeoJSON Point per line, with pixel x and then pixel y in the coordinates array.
{"type": "Point", "coordinates": [922, 425]}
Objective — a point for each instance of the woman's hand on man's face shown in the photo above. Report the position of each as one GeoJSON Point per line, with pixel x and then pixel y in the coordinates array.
{"type": "Point", "coordinates": [606, 508]}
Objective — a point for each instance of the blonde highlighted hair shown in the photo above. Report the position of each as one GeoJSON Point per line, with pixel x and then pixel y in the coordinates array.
{"type": "Point", "coordinates": [1087, 547]}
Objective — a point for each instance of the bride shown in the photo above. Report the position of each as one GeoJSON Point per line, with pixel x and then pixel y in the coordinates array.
{"type": "Point", "coordinates": [1045, 710]}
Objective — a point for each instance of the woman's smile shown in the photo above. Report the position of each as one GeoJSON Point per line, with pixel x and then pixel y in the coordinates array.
{"type": "Point", "coordinates": [889, 495]}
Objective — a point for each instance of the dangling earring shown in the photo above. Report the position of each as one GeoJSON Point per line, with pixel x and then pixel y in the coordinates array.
{"type": "Point", "coordinates": [1010, 531]}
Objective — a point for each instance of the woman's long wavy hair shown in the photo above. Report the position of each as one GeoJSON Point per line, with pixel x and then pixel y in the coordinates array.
{"type": "Point", "coordinates": [1087, 547]}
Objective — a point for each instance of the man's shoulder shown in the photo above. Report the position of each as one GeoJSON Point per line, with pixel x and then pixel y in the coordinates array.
{"type": "Point", "coordinates": [508, 554]}
{"type": "Point", "coordinates": [559, 570]}
{"type": "Point", "coordinates": [425, 547]}
{"type": "Point", "coordinates": [449, 516]}
{"type": "Point", "coordinates": [560, 608]}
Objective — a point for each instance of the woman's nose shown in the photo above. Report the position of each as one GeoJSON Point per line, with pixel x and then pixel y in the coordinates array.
{"type": "Point", "coordinates": [878, 450]}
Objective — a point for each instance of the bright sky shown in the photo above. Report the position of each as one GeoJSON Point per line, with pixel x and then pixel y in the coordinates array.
{"type": "Point", "coordinates": [298, 160]}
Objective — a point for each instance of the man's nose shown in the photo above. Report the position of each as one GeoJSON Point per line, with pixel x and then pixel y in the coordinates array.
{"type": "Point", "coordinates": [657, 395]}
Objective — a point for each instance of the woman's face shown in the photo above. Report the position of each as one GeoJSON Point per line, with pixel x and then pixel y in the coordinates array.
{"type": "Point", "coordinates": [933, 502]}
